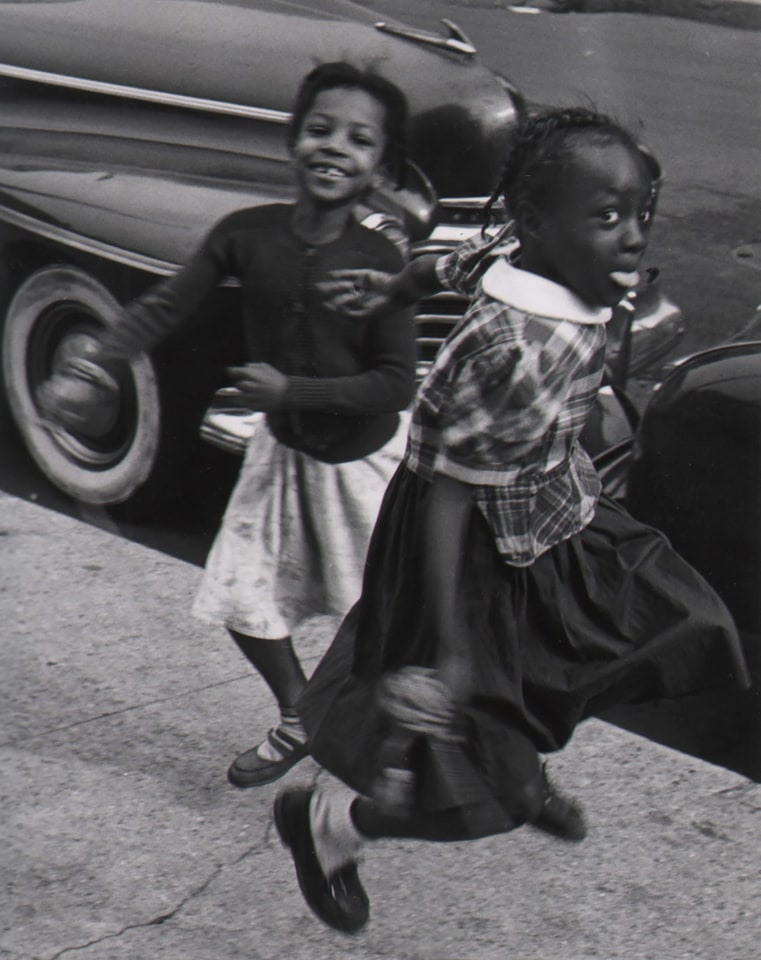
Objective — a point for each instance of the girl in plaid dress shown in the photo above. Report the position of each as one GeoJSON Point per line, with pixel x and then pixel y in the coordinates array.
{"type": "Point", "coordinates": [505, 598]}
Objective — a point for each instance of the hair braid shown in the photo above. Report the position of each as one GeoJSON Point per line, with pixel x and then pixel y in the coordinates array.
{"type": "Point", "coordinates": [542, 144]}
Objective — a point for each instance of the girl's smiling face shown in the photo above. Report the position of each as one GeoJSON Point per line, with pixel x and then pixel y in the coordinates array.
{"type": "Point", "coordinates": [340, 145]}
{"type": "Point", "coordinates": [592, 233]}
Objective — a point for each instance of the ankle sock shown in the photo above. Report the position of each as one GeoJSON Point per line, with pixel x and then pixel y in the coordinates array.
{"type": "Point", "coordinates": [337, 842]}
{"type": "Point", "coordinates": [291, 725]}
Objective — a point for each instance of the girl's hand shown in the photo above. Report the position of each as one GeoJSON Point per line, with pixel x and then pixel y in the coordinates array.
{"type": "Point", "coordinates": [263, 386]}
{"type": "Point", "coordinates": [357, 293]}
{"type": "Point", "coordinates": [80, 395]}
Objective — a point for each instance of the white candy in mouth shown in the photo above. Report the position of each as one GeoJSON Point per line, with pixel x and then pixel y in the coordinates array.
{"type": "Point", "coordinates": [332, 172]}
{"type": "Point", "coordinates": [625, 278]}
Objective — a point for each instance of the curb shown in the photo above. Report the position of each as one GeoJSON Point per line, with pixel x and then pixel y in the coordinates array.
{"type": "Point", "coordinates": [743, 14]}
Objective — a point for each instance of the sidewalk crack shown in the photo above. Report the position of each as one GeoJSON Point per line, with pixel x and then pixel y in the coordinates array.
{"type": "Point", "coordinates": [162, 917]}
{"type": "Point", "coordinates": [131, 708]}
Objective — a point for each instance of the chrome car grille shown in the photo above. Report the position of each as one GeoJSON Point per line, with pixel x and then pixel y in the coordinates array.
{"type": "Point", "coordinates": [459, 219]}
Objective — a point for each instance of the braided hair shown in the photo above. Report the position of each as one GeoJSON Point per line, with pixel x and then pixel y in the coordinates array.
{"type": "Point", "coordinates": [542, 147]}
{"type": "Point", "coordinates": [328, 76]}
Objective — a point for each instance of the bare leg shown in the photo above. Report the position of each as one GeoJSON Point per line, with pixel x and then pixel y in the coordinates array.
{"type": "Point", "coordinates": [325, 835]}
{"type": "Point", "coordinates": [525, 787]}
{"type": "Point", "coordinates": [467, 823]}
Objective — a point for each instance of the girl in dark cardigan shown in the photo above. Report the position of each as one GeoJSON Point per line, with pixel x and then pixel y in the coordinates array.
{"type": "Point", "coordinates": [295, 533]}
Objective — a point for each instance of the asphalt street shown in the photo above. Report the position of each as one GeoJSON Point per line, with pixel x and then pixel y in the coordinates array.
{"type": "Point", "coordinates": [691, 91]}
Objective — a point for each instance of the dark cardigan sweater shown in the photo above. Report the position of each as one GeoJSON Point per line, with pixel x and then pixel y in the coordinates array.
{"type": "Point", "coordinates": [347, 378]}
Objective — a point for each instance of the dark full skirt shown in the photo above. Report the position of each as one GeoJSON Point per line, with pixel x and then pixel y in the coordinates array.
{"type": "Point", "coordinates": [612, 615]}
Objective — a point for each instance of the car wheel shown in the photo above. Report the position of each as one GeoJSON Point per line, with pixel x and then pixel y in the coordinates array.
{"type": "Point", "coordinates": [53, 316]}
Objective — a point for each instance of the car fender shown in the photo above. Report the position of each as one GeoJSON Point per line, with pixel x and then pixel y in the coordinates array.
{"type": "Point", "coordinates": [696, 470]}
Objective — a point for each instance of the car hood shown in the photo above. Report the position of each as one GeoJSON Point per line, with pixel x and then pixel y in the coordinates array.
{"type": "Point", "coordinates": [196, 47]}
{"type": "Point", "coordinates": [255, 53]}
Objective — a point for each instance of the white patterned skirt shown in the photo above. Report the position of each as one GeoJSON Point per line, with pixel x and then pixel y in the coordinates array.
{"type": "Point", "coordinates": [294, 537]}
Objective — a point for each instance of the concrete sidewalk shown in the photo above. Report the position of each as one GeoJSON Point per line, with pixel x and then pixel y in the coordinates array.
{"type": "Point", "coordinates": [122, 840]}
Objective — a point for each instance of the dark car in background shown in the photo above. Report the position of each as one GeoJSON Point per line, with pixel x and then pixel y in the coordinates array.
{"type": "Point", "coordinates": [128, 129]}
{"type": "Point", "coordinates": [692, 468]}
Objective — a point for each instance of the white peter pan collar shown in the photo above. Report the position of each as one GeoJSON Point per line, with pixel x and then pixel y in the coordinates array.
{"type": "Point", "coordinates": [534, 294]}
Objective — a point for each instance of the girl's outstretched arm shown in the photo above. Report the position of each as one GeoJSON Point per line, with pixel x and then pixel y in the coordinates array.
{"type": "Point", "coordinates": [363, 293]}
{"type": "Point", "coordinates": [448, 507]}
{"type": "Point", "coordinates": [137, 327]}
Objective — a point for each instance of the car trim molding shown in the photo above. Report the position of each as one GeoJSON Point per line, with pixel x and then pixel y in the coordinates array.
{"type": "Point", "coordinates": [440, 241]}
{"type": "Point", "coordinates": [89, 245]}
{"type": "Point", "coordinates": [145, 94]}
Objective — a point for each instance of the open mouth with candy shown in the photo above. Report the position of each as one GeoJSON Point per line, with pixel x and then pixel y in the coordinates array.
{"type": "Point", "coordinates": [329, 171]}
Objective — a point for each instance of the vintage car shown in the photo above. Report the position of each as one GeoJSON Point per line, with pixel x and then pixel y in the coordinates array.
{"type": "Point", "coordinates": [692, 468]}
{"type": "Point", "coordinates": [128, 129]}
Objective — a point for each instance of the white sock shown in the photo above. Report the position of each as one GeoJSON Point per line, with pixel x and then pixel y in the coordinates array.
{"type": "Point", "coordinates": [337, 842]}
{"type": "Point", "coordinates": [291, 725]}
